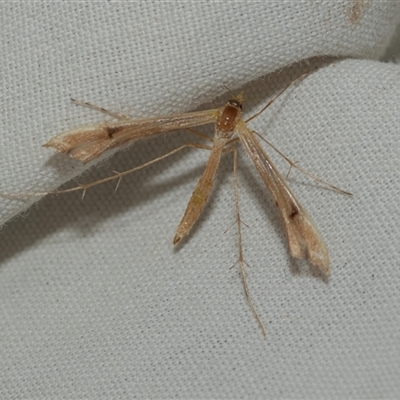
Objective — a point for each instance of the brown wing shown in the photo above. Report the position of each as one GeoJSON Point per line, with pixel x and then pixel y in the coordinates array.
{"type": "Point", "coordinates": [303, 237]}
{"type": "Point", "coordinates": [88, 142]}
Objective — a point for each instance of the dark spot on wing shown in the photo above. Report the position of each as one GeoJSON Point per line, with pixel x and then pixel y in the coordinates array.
{"type": "Point", "coordinates": [111, 131]}
{"type": "Point", "coordinates": [294, 212]}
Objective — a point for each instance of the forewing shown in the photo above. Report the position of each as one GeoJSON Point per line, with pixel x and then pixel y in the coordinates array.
{"type": "Point", "coordinates": [303, 237]}
{"type": "Point", "coordinates": [89, 142]}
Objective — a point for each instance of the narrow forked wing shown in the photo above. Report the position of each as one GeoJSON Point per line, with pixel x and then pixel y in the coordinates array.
{"type": "Point", "coordinates": [89, 142]}
{"type": "Point", "coordinates": [303, 237]}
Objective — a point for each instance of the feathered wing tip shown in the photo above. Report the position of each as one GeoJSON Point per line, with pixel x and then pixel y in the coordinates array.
{"type": "Point", "coordinates": [82, 144]}
{"type": "Point", "coordinates": [304, 240]}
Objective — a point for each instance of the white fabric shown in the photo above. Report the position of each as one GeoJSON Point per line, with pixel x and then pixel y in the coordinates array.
{"type": "Point", "coordinates": [96, 302]}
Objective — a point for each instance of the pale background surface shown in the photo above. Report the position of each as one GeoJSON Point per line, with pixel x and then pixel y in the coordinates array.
{"type": "Point", "coordinates": [96, 302]}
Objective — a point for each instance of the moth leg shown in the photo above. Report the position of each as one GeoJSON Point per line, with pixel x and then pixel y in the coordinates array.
{"type": "Point", "coordinates": [117, 175]}
{"type": "Point", "coordinates": [293, 164]}
{"type": "Point", "coordinates": [241, 261]}
{"type": "Point", "coordinates": [199, 134]}
{"type": "Point", "coordinates": [100, 109]}
{"type": "Point", "coordinates": [278, 95]}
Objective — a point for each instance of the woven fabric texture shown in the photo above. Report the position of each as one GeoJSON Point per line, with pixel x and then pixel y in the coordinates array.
{"type": "Point", "coordinates": [96, 302]}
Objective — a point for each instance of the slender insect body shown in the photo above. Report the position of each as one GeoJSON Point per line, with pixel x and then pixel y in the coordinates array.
{"type": "Point", "coordinates": [87, 143]}
{"type": "Point", "coordinates": [225, 126]}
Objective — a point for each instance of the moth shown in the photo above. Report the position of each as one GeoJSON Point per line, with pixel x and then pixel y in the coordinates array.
{"type": "Point", "coordinates": [89, 142]}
